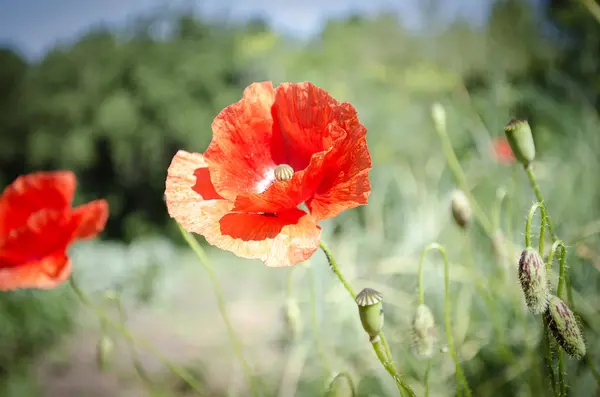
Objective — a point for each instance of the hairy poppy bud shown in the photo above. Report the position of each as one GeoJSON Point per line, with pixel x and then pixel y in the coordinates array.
{"type": "Point", "coordinates": [438, 114]}
{"type": "Point", "coordinates": [104, 350]}
{"type": "Point", "coordinates": [292, 318]}
{"type": "Point", "coordinates": [461, 208]}
{"type": "Point", "coordinates": [534, 280]}
{"type": "Point", "coordinates": [564, 327]}
{"type": "Point", "coordinates": [370, 309]}
{"type": "Point", "coordinates": [521, 141]}
{"type": "Point", "coordinates": [423, 330]}
{"type": "Point", "coordinates": [340, 386]}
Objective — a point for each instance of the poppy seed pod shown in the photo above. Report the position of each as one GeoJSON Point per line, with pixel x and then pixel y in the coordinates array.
{"type": "Point", "coordinates": [292, 318]}
{"type": "Point", "coordinates": [284, 172]}
{"type": "Point", "coordinates": [104, 350]}
{"type": "Point", "coordinates": [534, 280]}
{"type": "Point", "coordinates": [423, 331]}
{"type": "Point", "coordinates": [461, 208]}
{"type": "Point", "coordinates": [520, 138]}
{"type": "Point", "coordinates": [340, 387]}
{"type": "Point", "coordinates": [370, 309]}
{"type": "Point", "coordinates": [564, 327]}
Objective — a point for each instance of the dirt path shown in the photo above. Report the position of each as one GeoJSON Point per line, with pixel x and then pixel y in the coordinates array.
{"type": "Point", "coordinates": [186, 328]}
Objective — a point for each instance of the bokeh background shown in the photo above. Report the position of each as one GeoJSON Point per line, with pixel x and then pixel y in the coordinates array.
{"type": "Point", "coordinates": [111, 90]}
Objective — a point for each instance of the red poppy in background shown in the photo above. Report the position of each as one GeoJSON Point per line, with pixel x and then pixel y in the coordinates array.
{"type": "Point", "coordinates": [37, 224]}
{"type": "Point", "coordinates": [501, 151]}
{"type": "Point", "coordinates": [272, 151]}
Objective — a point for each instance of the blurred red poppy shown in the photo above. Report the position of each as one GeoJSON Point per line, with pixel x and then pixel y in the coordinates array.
{"type": "Point", "coordinates": [37, 224]}
{"type": "Point", "coordinates": [501, 151]}
{"type": "Point", "coordinates": [272, 151]}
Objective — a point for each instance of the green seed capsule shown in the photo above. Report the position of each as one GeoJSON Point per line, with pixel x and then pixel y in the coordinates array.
{"type": "Point", "coordinates": [284, 172]}
{"type": "Point", "coordinates": [534, 280]}
{"type": "Point", "coordinates": [423, 330]}
{"type": "Point", "coordinates": [520, 138]}
{"type": "Point", "coordinates": [564, 327]}
{"type": "Point", "coordinates": [370, 309]}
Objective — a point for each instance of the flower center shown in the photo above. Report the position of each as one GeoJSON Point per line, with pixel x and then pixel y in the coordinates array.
{"type": "Point", "coordinates": [284, 172]}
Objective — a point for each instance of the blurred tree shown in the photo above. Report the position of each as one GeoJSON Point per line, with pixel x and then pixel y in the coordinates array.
{"type": "Point", "coordinates": [13, 69]}
{"type": "Point", "coordinates": [116, 107]}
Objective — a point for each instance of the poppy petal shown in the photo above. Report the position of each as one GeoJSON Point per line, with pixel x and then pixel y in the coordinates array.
{"type": "Point", "coordinates": [45, 233]}
{"type": "Point", "coordinates": [280, 240]}
{"type": "Point", "coordinates": [92, 218]}
{"type": "Point", "coordinates": [346, 183]}
{"type": "Point", "coordinates": [33, 192]}
{"type": "Point", "coordinates": [190, 196]}
{"type": "Point", "coordinates": [246, 145]}
{"type": "Point", "coordinates": [304, 113]}
{"type": "Point", "coordinates": [46, 273]}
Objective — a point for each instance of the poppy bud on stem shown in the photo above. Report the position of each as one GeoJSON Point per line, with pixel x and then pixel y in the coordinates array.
{"type": "Point", "coordinates": [521, 141]}
{"type": "Point", "coordinates": [565, 328]}
{"type": "Point", "coordinates": [423, 331]}
{"type": "Point", "coordinates": [379, 342]}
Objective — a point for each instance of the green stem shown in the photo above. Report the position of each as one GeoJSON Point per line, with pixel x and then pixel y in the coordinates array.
{"type": "Point", "coordinates": [460, 376]}
{"type": "Point", "coordinates": [235, 342]}
{"type": "Point", "coordinates": [548, 357]}
{"type": "Point", "coordinates": [461, 180]}
{"type": "Point", "coordinates": [315, 322]}
{"type": "Point", "coordinates": [426, 381]}
{"type": "Point", "coordinates": [135, 357]}
{"type": "Point", "coordinates": [562, 268]}
{"type": "Point", "coordinates": [489, 303]}
{"type": "Point", "coordinates": [181, 372]}
{"type": "Point", "coordinates": [379, 344]}
{"type": "Point", "coordinates": [379, 349]}
{"type": "Point", "coordinates": [500, 199]}
{"type": "Point", "coordinates": [529, 233]}
{"type": "Point", "coordinates": [540, 198]}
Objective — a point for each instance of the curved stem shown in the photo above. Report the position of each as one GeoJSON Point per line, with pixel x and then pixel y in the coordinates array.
{"type": "Point", "coordinates": [348, 378]}
{"type": "Point", "coordinates": [528, 232]}
{"type": "Point", "coordinates": [235, 342]}
{"type": "Point", "coordinates": [379, 344]}
{"type": "Point", "coordinates": [561, 270]}
{"type": "Point", "coordinates": [461, 180]}
{"type": "Point", "coordinates": [181, 372]}
{"type": "Point", "coordinates": [460, 376]}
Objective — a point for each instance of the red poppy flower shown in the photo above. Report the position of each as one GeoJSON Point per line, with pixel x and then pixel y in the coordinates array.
{"type": "Point", "coordinates": [502, 152]}
{"type": "Point", "coordinates": [272, 151]}
{"type": "Point", "coordinates": [37, 224]}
